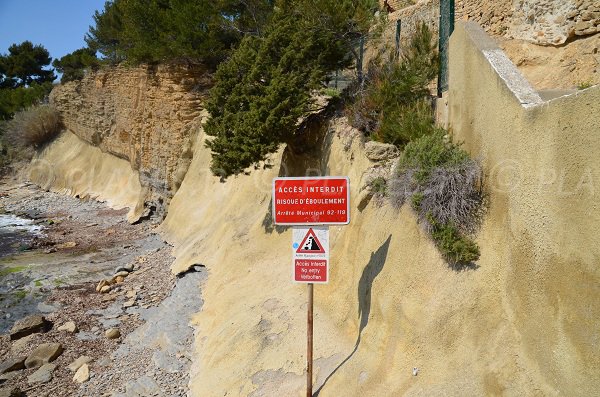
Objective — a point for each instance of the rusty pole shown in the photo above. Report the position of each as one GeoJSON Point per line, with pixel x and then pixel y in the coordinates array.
{"type": "Point", "coordinates": [309, 347]}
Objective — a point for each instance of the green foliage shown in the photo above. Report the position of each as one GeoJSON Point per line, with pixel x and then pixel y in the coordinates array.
{"type": "Point", "coordinates": [443, 185]}
{"type": "Point", "coordinates": [106, 35]}
{"type": "Point", "coordinates": [456, 248]}
{"type": "Point", "coordinates": [393, 106]}
{"type": "Point", "coordinates": [23, 79]}
{"type": "Point", "coordinates": [582, 85]}
{"type": "Point", "coordinates": [265, 88]}
{"type": "Point", "coordinates": [24, 65]}
{"type": "Point", "coordinates": [13, 100]}
{"type": "Point", "coordinates": [378, 186]}
{"type": "Point", "coordinates": [73, 65]}
{"type": "Point", "coordinates": [429, 152]}
{"type": "Point", "coordinates": [154, 31]}
{"type": "Point", "coordinates": [34, 126]}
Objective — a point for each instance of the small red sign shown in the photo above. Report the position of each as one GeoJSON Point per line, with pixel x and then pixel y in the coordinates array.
{"type": "Point", "coordinates": [310, 270]}
{"type": "Point", "coordinates": [311, 201]}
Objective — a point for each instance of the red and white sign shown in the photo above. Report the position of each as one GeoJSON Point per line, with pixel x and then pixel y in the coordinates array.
{"type": "Point", "coordinates": [311, 201]}
{"type": "Point", "coordinates": [310, 247]}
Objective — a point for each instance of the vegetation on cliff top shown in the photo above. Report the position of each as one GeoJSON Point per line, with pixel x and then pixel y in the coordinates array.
{"type": "Point", "coordinates": [24, 79]}
{"type": "Point", "coordinates": [153, 31]}
{"type": "Point", "coordinates": [265, 87]}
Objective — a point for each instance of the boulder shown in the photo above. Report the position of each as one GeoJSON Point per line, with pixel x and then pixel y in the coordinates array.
{"type": "Point", "coordinates": [29, 325]}
{"type": "Point", "coordinates": [125, 268]}
{"type": "Point", "coordinates": [42, 375]}
{"type": "Point", "coordinates": [75, 365]}
{"type": "Point", "coordinates": [69, 327]}
{"type": "Point", "coordinates": [377, 151]}
{"type": "Point", "coordinates": [105, 289]}
{"type": "Point", "coordinates": [12, 364]}
{"type": "Point", "coordinates": [82, 375]}
{"type": "Point", "coordinates": [43, 354]}
{"type": "Point", "coordinates": [101, 284]}
{"type": "Point", "coordinates": [11, 392]}
{"type": "Point", "coordinates": [112, 333]}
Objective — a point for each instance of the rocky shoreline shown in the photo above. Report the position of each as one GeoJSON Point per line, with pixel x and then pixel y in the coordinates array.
{"type": "Point", "coordinates": [133, 339]}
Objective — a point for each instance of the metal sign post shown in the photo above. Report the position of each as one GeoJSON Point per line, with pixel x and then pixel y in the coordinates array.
{"type": "Point", "coordinates": [309, 342]}
{"type": "Point", "coordinates": [310, 204]}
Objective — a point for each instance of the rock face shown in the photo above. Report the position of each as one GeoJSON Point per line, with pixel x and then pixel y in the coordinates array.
{"type": "Point", "coordinates": [377, 151]}
{"type": "Point", "coordinates": [546, 22]}
{"type": "Point", "coordinates": [146, 115]}
{"type": "Point", "coordinates": [43, 354]}
{"type": "Point", "coordinates": [29, 325]}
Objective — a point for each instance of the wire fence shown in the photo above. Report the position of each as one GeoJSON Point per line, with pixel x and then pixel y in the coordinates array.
{"type": "Point", "coordinates": [440, 19]}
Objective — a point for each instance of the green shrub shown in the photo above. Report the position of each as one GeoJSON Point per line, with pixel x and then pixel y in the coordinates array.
{"type": "Point", "coordinates": [378, 186]}
{"type": "Point", "coordinates": [393, 106]}
{"type": "Point", "coordinates": [444, 187]}
{"type": "Point", "coordinates": [582, 85]}
{"type": "Point", "coordinates": [34, 127]}
{"type": "Point", "coordinates": [431, 151]}
{"type": "Point", "coordinates": [456, 248]}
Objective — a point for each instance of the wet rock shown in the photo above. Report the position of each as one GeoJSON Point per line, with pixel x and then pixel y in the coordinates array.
{"type": "Point", "coordinates": [112, 333]}
{"type": "Point", "coordinates": [42, 375]}
{"type": "Point", "coordinates": [12, 364]}
{"type": "Point", "coordinates": [75, 365]}
{"type": "Point", "coordinates": [43, 354]}
{"type": "Point", "coordinates": [82, 375]}
{"type": "Point", "coordinates": [377, 151]}
{"type": "Point", "coordinates": [29, 325]}
{"type": "Point", "coordinates": [69, 327]}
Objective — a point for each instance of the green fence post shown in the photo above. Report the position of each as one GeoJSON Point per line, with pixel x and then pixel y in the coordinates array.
{"type": "Point", "coordinates": [446, 27]}
{"type": "Point", "coordinates": [398, 29]}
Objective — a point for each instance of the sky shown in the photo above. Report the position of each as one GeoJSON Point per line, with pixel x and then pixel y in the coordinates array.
{"type": "Point", "coordinates": [58, 25]}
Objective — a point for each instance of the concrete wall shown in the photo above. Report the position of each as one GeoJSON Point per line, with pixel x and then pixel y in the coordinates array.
{"type": "Point", "coordinates": [543, 173]}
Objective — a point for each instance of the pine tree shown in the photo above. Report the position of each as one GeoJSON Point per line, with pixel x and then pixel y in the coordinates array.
{"type": "Point", "coordinates": [266, 86]}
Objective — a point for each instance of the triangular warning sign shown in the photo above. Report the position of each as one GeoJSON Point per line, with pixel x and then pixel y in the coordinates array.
{"type": "Point", "coordinates": [310, 244]}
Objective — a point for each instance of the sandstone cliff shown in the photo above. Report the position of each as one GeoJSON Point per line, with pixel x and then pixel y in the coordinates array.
{"type": "Point", "coordinates": [146, 115]}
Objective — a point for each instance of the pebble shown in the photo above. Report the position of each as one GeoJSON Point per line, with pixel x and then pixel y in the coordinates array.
{"type": "Point", "coordinates": [112, 333]}
{"type": "Point", "coordinates": [82, 375]}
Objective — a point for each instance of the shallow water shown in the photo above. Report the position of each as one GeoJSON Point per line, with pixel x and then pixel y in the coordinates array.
{"type": "Point", "coordinates": [16, 233]}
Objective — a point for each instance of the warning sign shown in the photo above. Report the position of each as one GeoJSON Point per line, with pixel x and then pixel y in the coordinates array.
{"type": "Point", "coordinates": [323, 200]}
{"type": "Point", "coordinates": [310, 247]}
{"type": "Point", "coordinates": [310, 244]}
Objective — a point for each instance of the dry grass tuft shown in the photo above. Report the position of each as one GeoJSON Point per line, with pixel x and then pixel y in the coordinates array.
{"type": "Point", "coordinates": [34, 126]}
